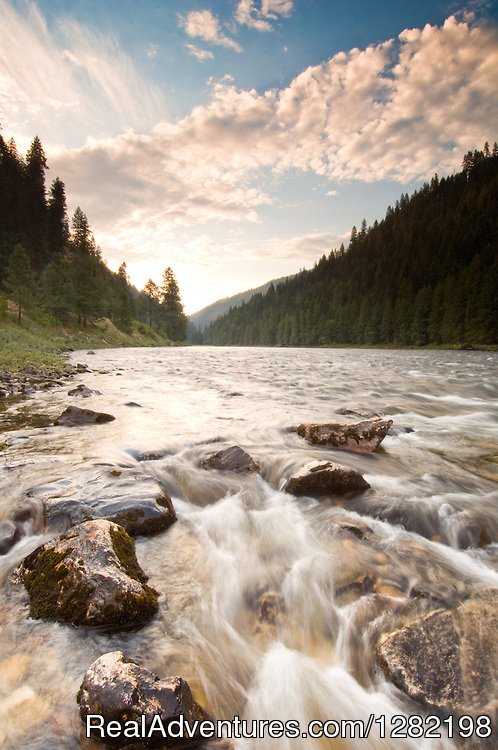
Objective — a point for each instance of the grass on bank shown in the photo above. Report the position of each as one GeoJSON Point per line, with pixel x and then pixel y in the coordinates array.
{"type": "Point", "coordinates": [40, 345]}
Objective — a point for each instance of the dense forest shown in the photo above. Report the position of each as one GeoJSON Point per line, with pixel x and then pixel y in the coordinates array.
{"type": "Point", "coordinates": [426, 274]}
{"type": "Point", "coordinates": [53, 269]}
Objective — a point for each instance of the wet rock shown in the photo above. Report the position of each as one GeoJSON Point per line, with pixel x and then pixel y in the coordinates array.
{"type": "Point", "coordinates": [359, 586]}
{"type": "Point", "coordinates": [80, 367]}
{"type": "Point", "coordinates": [91, 352]}
{"type": "Point", "coordinates": [325, 478]}
{"type": "Point", "coordinates": [74, 416]}
{"type": "Point", "coordinates": [89, 576]}
{"type": "Point", "coordinates": [121, 691]}
{"type": "Point", "coordinates": [125, 496]}
{"type": "Point", "coordinates": [396, 431]}
{"type": "Point", "coordinates": [151, 455]}
{"type": "Point", "coordinates": [361, 437]}
{"type": "Point", "coordinates": [231, 459]}
{"type": "Point", "coordinates": [83, 391]}
{"type": "Point", "coordinates": [133, 404]}
{"type": "Point", "coordinates": [358, 413]}
{"type": "Point", "coordinates": [9, 536]}
{"type": "Point", "coordinates": [270, 607]}
{"type": "Point", "coordinates": [448, 660]}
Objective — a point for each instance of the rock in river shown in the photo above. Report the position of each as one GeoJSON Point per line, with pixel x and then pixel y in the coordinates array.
{"type": "Point", "coordinates": [89, 576]}
{"type": "Point", "coordinates": [83, 391]}
{"type": "Point", "coordinates": [448, 660]}
{"type": "Point", "coordinates": [325, 478]}
{"type": "Point", "coordinates": [361, 437]}
{"type": "Point", "coordinates": [74, 416]}
{"type": "Point", "coordinates": [123, 495]}
{"type": "Point", "coordinates": [231, 459]}
{"type": "Point", "coordinates": [123, 692]}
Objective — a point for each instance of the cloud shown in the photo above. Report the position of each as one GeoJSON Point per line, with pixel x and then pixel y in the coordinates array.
{"type": "Point", "coordinates": [203, 24]}
{"type": "Point", "coordinates": [247, 13]}
{"type": "Point", "coordinates": [62, 81]}
{"type": "Point", "coordinates": [332, 193]}
{"type": "Point", "coordinates": [301, 250]}
{"type": "Point", "coordinates": [398, 111]}
{"type": "Point", "coordinates": [200, 54]}
{"type": "Point", "coordinates": [152, 50]}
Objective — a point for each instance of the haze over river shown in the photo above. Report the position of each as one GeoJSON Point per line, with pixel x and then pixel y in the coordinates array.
{"type": "Point", "coordinates": [239, 539]}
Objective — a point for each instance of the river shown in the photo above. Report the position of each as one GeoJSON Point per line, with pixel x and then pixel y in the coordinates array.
{"type": "Point", "coordinates": [241, 547]}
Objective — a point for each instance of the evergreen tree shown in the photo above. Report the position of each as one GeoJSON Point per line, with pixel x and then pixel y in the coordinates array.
{"type": "Point", "coordinates": [152, 298]}
{"type": "Point", "coordinates": [58, 225]}
{"type": "Point", "coordinates": [20, 282]}
{"type": "Point", "coordinates": [123, 302]}
{"type": "Point", "coordinates": [173, 318]}
{"type": "Point", "coordinates": [86, 270]}
{"type": "Point", "coordinates": [35, 204]}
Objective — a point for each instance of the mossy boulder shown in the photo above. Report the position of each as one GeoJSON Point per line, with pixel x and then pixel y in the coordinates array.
{"type": "Point", "coordinates": [448, 660]}
{"type": "Point", "coordinates": [361, 437]}
{"type": "Point", "coordinates": [119, 690]}
{"type": "Point", "coordinates": [318, 478]}
{"type": "Point", "coordinates": [89, 576]}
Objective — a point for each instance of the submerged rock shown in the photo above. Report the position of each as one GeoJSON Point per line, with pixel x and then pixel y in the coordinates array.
{"type": "Point", "coordinates": [231, 459]}
{"type": "Point", "coordinates": [325, 478]}
{"type": "Point", "coordinates": [119, 690]}
{"type": "Point", "coordinates": [83, 391]}
{"type": "Point", "coordinates": [9, 535]}
{"type": "Point", "coordinates": [448, 660]}
{"type": "Point", "coordinates": [361, 437]}
{"type": "Point", "coordinates": [25, 519]}
{"type": "Point", "coordinates": [73, 416]}
{"type": "Point", "coordinates": [89, 576]}
{"type": "Point", "coordinates": [126, 496]}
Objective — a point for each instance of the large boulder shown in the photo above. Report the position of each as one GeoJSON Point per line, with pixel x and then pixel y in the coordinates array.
{"type": "Point", "coordinates": [123, 495]}
{"type": "Point", "coordinates": [231, 459]}
{"type": "Point", "coordinates": [89, 576]}
{"type": "Point", "coordinates": [448, 660]}
{"type": "Point", "coordinates": [117, 690]}
{"type": "Point", "coordinates": [74, 416]}
{"type": "Point", "coordinates": [318, 478]}
{"type": "Point", "coordinates": [361, 437]}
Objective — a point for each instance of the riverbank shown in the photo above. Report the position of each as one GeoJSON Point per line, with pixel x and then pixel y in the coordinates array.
{"type": "Point", "coordinates": [41, 347]}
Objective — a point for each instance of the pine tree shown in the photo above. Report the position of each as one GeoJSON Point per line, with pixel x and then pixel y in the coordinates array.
{"type": "Point", "coordinates": [20, 281]}
{"type": "Point", "coordinates": [123, 301]}
{"type": "Point", "coordinates": [35, 204]}
{"type": "Point", "coordinates": [58, 226]}
{"type": "Point", "coordinates": [86, 270]}
{"type": "Point", "coordinates": [173, 317]}
{"type": "Point", "coordinates": [152, 295]}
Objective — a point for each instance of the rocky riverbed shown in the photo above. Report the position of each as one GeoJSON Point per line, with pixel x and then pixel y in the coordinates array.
{"type": "Point", "coordinates": [204, 564]}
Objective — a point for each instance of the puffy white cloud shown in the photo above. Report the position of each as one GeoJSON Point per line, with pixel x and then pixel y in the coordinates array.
{"type": "Point", "coordinates": [249, 14]}
{"type": "Point", "coordinates": [200, 54]}
{"type": "Point", "coordinates": [399, 110]}
{"type": "Point", "coordinates": [203, 24]}
{"type": "Point", "coordinates": [272, 8]}
{"type": "Point", "coordinates": [395, 111]}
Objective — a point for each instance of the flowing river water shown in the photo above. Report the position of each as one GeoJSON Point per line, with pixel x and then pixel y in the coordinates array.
{"type": "Point", "coordinates": [264, 605]}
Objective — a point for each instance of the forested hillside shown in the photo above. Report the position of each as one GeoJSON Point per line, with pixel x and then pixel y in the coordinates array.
{"type": "Point", "coordinates": [53, 269]}
{"type": "Point", "coordinates": [426, 274]}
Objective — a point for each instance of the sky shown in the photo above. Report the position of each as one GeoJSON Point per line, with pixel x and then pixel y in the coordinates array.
{"type": "Point", "coordinates": [238, 140]}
